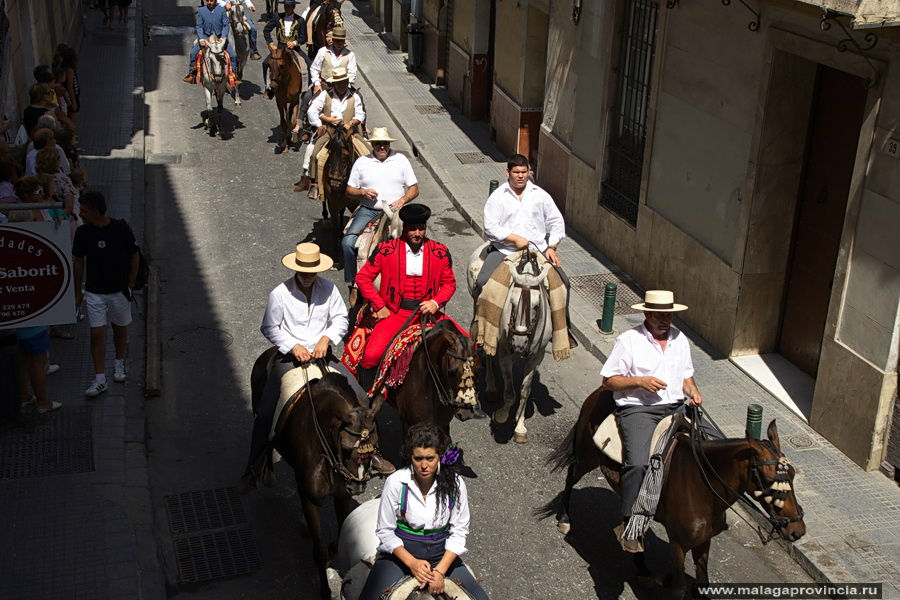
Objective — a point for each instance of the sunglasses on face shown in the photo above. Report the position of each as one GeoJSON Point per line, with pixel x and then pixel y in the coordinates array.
{"type": "Point", "coordinates": [380, 144]}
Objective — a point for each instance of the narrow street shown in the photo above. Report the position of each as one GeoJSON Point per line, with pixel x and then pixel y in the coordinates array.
{"type": "Point", "coordinates": [221, 214]}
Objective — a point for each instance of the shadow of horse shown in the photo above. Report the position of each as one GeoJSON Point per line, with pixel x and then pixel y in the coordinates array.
{"type": "Point", "coordinates": [540, 400]}
{"type": "Point", "coordinates": [228, 124]}
{"type": "Point", "coordinates": [248, 90]}
{"type": "Point", "coordinates": [594, 541]}
{"type": "Point", "coordinates": [321, 234]}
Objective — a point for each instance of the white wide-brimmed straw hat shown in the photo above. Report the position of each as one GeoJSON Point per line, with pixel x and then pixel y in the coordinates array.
{"type": "Point", "coordinates": [338, 74]}
{"type": "Point", "coordinates": [659, 301]}
{"type": "Point", "coordinates": [307, 259]}
{"type": "Point", "coordinates": [380, 134]}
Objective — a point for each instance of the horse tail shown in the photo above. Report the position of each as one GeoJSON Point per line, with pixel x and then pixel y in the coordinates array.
{"type": "Point", "coordinates": [564, 456]}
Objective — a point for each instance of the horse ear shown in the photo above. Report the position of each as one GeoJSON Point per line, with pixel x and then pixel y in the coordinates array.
{"type": "Point", "coordinates": [772, 434]}
{"type": "Point", "coordinates": [377, 403]}
{"type": "Point", "coordinates": [473, 332]}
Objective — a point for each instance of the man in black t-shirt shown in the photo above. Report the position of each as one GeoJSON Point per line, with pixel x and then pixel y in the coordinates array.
{"type": "Point", "coordinates": [104, 250]}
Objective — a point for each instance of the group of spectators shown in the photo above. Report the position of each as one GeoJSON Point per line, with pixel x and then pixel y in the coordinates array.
{"type": "Point", "coordinates": [42, 166]}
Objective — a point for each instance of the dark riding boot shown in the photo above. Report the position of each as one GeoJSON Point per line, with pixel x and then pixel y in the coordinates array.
{"type": "Point", "coordinates": [366, 377]}
{"type": "Point", "coordinates": [303, 184]}
{"type": "Point", "coordinates": [191, 77]}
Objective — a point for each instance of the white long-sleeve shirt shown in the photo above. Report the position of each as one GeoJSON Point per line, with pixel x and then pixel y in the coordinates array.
{"type": "Point", "coordinates": [291, 320]}
{"type": "Point", "coordinates": [327, 53]}
{"type": "Point", "coordinates": [534, 217]}
{"type": "Point", "coordinates": [314, 113]}
{"type": "Point", "coordinates": [247, 3]}
{"type": "Point", "coordinates": [637, 354]}
{"type": "Point", "coordinates": [420, 513]}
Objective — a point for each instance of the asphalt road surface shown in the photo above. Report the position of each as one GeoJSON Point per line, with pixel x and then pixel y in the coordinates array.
{"type": "Point", "coordinates": [222, 213]}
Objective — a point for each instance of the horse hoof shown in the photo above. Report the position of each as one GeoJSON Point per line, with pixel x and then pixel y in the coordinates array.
{"type": "Point", "coordinates": [563, 528]}
{"type": "Point", "coordinates": [520, 438]}
{"type": "Point", "coordinates": [500, 416]}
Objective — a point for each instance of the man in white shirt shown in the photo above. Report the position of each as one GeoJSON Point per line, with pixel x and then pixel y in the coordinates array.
{"type": "Point", "coordinates": [340, 107]}
{"type": "Point", "coordinates": [519, 215]}
{"type": "Point", "coordinates": [382, 178]}
{"type": "Point", "coordinates": [44, 138]}
{"type": "Point", "coordinates": [254, 53]}
{"type": "Point", "coordinates": [650, 373]}
{"type": "Point", "coordinates": [304, 316]}
{"type": "Point", "coordinates": [328, 57]}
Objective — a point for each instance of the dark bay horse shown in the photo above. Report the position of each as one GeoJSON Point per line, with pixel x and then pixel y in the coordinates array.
{"type": "Point", "coordinates": [703, 479]}
{"type": "Point", "coordinates": [329, 16]}
{"type": "Point", "coordinates": [329, 440]}
{"type": "Point", "coordinates": [287, 80]}
{"type": "Point", "coordinates": [441, 371]}
{"type": "Point", "coordinates": [334, 180]}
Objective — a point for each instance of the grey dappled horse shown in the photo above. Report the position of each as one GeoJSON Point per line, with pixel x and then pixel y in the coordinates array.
{"type": "Point", "coordinates": [525, 331]}
{"type": "Point", "coordinates": [214, 72]}
{"type": "Point", "coordinates": [241, 34]}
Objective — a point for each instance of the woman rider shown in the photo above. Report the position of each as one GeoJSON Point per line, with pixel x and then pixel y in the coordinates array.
{"type": "Point", "coordinates": [423, 519]}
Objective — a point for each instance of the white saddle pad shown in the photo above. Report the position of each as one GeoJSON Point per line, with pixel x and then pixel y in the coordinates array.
{"type": "Point", "coordinates": [405, 589]}
{"type": "Point", "coordinates": [609, 442]}
{"type": "Point", "coordinates": [475, 263]}
{"type": "Point", "coordinates": [292, 381]}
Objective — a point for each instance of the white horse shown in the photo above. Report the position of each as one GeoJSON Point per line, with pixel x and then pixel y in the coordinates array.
{"type": "Point", "coordinates": [356, 553]}
{"type": "Point", "coordinates": [241, 33]}
{"type": "Point", "coordinates": [525, 330]}
{"type": "Point", "coordinates": [215, 83]}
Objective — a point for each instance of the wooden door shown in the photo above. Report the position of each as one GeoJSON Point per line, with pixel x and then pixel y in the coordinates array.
{"type": "Point", "coordinates": [837, 115]}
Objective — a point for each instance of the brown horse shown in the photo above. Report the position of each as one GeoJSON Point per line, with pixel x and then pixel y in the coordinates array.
{"type": "Point", "coordinates": [441, 371]}
{"type": "Point", "coordinates": [330, 441]}
{"type": "Point", "coordinates": [336, 171]}
{"type": "Point", "coordinates": [287, 80]}
{"type": "Point", "coordinates": [703, 479]}
{"type": "Point", "coordinates": [329, 16]}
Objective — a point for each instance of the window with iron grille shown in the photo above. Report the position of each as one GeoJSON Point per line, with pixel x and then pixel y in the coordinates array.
{"type": "Point", "coordinates": [622, 188]}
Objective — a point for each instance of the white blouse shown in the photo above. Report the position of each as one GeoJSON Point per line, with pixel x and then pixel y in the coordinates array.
{"type": "Point", "coordinates": [420, 513]}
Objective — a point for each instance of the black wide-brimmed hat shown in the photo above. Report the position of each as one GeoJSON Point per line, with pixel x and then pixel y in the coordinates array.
{"type": "Point", "coordinates": [415, 213]}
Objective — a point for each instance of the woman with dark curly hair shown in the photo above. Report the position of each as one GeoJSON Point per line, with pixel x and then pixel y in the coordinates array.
{"type": "Point", "coordinates": [423, 518]}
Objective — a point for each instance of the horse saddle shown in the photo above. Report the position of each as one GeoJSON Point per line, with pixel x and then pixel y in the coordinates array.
{"type": "Point", "coordinates": [609, 441]}
{"type": "Point", "coordinates": [292, 385]}
{"type": "Point", "coordinates": [408, 589]}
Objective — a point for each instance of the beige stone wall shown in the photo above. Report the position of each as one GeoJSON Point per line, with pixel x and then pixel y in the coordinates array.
{"type": "Point", "coordinates": [462, 28]}
{"type": "Point", "coordinates": [508, 45]}
{"type": "Point", "coordinates": [457, 67]}
{"type": "Point", "coordinates": [534, 65]}
{"type": "Point", "coordinates": [431, 10]}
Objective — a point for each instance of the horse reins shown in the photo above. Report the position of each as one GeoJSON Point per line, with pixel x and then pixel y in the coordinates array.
{"type": "Point", "coordinates": [444, 395]}
{"type": "Point", "coordinates": [334, 461]}
{"type": "Point", "coordinates": [775, 520]}
{"type": "Point", "coordinates": [523, 310]}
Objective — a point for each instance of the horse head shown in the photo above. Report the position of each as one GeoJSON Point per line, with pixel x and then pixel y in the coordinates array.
{"type": "Point", "coordinates": [236, 16]}
{"type": "Point", "coordinates": [772, 484]}
{"type": "Point", "coordinates": [340, 156]}
{"type": "Point", "coordinates": [279, 60]}
{"type": "Point", "coordinates": [455, 357]}
{"type": "Point", "coordinates": [215, 57]}
{"type": "Point", "coordinates": [351, 431]}
{"type": "Point", "coordinates": [527, 306]}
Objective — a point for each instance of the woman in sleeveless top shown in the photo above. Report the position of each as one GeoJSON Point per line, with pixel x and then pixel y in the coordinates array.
{"type": "Point", "coordinates": [423, 519]}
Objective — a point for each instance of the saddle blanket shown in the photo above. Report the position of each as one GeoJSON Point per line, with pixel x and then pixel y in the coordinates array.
{"type": "Point", "coordinates": [609, 441]}
{"type": "Point", "coordinates": [406, 587]}
{"type": "Point", "coordinates": [292, 384]}
{"type": "Point", "coordinates": [201, 56]}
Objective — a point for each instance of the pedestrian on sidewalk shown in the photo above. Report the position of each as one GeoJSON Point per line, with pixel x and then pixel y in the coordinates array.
{"type": "Point", "coordinates": [106, 259]}
{"type": "Point", "coordinates": [34, 366]}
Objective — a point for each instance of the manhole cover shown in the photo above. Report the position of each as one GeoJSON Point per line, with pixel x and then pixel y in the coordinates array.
{"type": "Point", "coordinates": [592, 289]}
{"type": "Point", "coordinates": [111, 39]}
{"type": "Point", "coordinates": [200, 338]}
{"type": "Point", "coordinates": [61, 444]}
{"type": "Point", "coordinates": [216, 554]}
{"type": "Point", "coordinates": [156, 30]}
{"type": "Point", "coordinates": [195, 511]}
{"type": "Point", "coordinates": [430, 109]}
{"type": "Point", "coordinates": [471, 158]}
{"type": "Point", "coordinates": [801, 442]}
{"type": "Point", "coordinates": [163, 159]}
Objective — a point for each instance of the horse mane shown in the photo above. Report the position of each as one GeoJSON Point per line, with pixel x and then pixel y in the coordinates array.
{"type": "Point", "coordinates": [337, 383]}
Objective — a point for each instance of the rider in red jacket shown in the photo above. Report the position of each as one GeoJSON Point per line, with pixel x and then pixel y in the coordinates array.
{"type": "Point", "coordinates": [416, 275]}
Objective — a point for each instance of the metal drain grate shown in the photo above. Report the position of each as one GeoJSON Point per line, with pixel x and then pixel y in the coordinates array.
{"type": "Point", "coordinates": [163, 159]}
{"type": "Point", "coordinates": [216, 554]}
{"type": "Point", "coordinates": [110, 39]}
{"type": "Point", "coordinates": [801, 442]}
{"type": "Point", "coordinates": [61, 444]}
{"type": "Point", "coordinates": [472, 158]}
{"type": "Point", "coordinates": [430, 109]}
{"type": "Point", "coordinates": [196, 511]}
{"type": "Point", "coordinates": [199, 338]}
{"type": "Point", "coordinates": [591, 288]}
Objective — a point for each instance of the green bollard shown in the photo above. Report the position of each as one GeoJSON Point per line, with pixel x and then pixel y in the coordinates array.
{"type": "Point", "coordinates": [754, 421]}
{"type": "Point", "coordinates": [609, 308]}
{"type": "Point", "coordinates": [492, 186]}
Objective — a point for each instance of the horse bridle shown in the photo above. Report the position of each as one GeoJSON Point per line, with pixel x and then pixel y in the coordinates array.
{"type": "Point", "coordinates": [444, 395]}
{"type": "Point", "coordinates": [338, 183]}
{"type": "Point", "coordinates": [523, 310]}
{"type": "Point", "coordinates": [363, 449]}
{"type": "Point", "coordinates": [782, 476]}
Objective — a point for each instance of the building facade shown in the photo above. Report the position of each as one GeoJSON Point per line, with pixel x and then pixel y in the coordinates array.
{"type": "Point", "coordinates": [745, 155]}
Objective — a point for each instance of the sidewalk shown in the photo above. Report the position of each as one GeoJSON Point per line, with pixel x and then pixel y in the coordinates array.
{"type": "Point", "coordinates": [73, 484]}
{"type": "Point", "coordinates": [852, 517]}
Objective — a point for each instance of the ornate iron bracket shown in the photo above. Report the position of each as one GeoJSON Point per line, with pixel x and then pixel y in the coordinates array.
{"type": "Point", "coordinates": [752, 25]}
{"type": "Point", "coordinates": [848, 43]}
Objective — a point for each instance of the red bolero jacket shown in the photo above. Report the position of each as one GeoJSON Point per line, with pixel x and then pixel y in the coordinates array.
{"type": "Point", "coordinates": [389, 261]}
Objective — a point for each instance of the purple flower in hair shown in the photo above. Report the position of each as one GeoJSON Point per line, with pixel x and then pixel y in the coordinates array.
{"type": "Point", "coordinates": [451, 455]}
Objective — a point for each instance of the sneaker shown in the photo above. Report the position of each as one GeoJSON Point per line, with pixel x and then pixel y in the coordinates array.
{"type": "Point", "coordinates": [96, 389]}
{"type": "Point", "coordinates": [51, 369]}
{"type": "Point", "coordinates": [255, 56]}
{"type": "Point", "coordinates": [119, 373]}
{"type": "Point", "coordinates": [53, 406]}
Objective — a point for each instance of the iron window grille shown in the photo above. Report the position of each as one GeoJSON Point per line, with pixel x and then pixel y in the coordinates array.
{"type": "Point", "coordinates": [622, 188]}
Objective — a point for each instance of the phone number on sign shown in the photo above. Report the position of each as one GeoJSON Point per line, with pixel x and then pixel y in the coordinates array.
{"type": "Point", "coordinates": [14, 310]}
